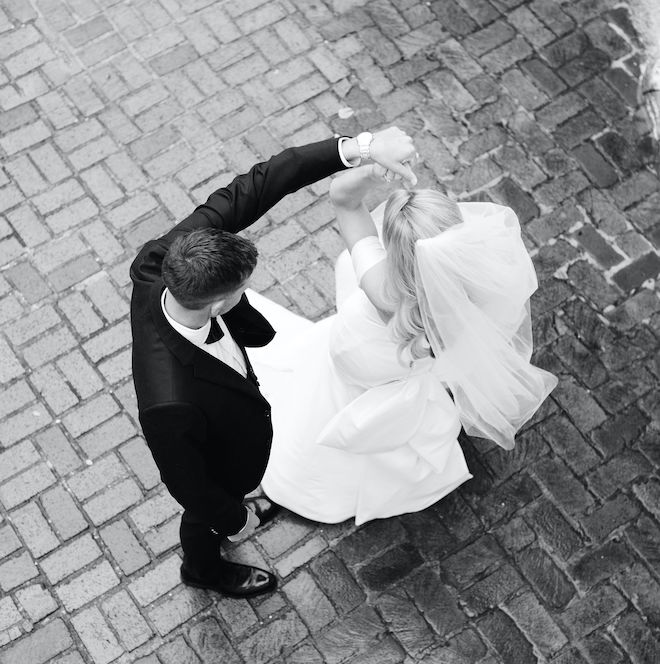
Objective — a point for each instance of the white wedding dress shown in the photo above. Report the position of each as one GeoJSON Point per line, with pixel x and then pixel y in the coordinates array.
{"type": "Point", "coordinates": [356, 433]}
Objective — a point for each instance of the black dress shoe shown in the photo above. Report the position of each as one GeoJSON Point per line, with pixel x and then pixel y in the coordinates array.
{"type": "Point", "coordinates": [234, 580]}
{"type": "Point", "coordinates": [263, 507]}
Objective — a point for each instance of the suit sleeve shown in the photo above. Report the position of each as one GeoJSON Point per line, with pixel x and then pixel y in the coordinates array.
{"type": "Point", "coordinates": [247, 198]}
{"type": "Point", "coordinates": [250, 196]}
{"type": "Point", "coordinates": [175, 432]}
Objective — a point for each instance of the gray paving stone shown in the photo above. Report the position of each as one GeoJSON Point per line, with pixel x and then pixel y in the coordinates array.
{"type": "Point", "coordinates": [87, 586]}
{"type": "Point", "coordinates": [40, 646]}
{"type": "Point", "coordinates": [96, 635]}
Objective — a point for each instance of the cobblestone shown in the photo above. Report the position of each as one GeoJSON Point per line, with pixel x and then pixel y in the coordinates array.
{"type": "Point", "coordinates": [405, 622]}
{"type": "Point", "coordinates": [492, 590]}
{"type": "Point", "coordinates": [299, 556]}
{"type": "Point", "coordinates": [354, 634]}
{"type": "Point", "coordinates": [337, 583]}
{"type": "Point", "coordinates": [26, 485]}
{"type": "Point", "coordinates": [28, 282]}
{"type": "Point", "coordinates": [601, 563]}
{"type": "Point", "coordinates": [29, 228]}
{"type": "Point", "coordinates": [137, 455]}
{"type": "Point", "coordinates": [58, 450]}
{"type": "Point", "coordinates": [506, 638]}
{"type": "Point", "coordinates": [179, 607]}
{"type": "Point", "coordinates": [112, 501]}
{"type": "Point", "coordinates": [40, 646]}
{"type": "Point", "coordinates": [546, 577]}
{"type": "Point", "coordinates": [124, 547]}
{"type": "Point", "coordinates": [158, 581]}
{"type": "Point", "coordinates": [313, 606]}
{"type": "Point", "coordinates": [89, 585]}
{"type": "Point", "coordinates": [17, 458]}
{"type": "Point", "coordinates": [536, 624]}
{"type": "Point", "coordinates": [93, 630]}
{"type": "Point", "coordinates": [70, 558]}
{"type": "Point", "coordinates": [36, 601]}
{"type": "Point", "coordinates": [34, 530]}
{"type": "Point", "coordinates": [10, 542]}
{"type": "Point", "coordinates": [16, 427]}
{"type": "Point", "coordinates": [63, 512]}
{"type": "Point", "coordinates": [107, 436]}
{"type": "Point", "coordinates": [464, 566]}
{"type": "Point", "coordinates": [127, 621]}
{"type": "Point", "coordinates": [593, 610]}
{"type": "Point", "coordinates": [16, 571]}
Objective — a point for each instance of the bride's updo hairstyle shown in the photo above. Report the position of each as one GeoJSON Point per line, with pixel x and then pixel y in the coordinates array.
{"type": "Point", "coordinates": [410, 216]}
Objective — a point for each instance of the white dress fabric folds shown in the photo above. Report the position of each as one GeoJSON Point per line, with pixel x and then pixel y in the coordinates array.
{"type": "Point", "coordinates": [359, 434]}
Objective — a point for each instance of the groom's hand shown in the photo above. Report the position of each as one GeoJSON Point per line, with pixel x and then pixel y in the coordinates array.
{"type": "Point", "coordinates": [393, 149]}
{"type": "Point", "coordinates": [247, 530]}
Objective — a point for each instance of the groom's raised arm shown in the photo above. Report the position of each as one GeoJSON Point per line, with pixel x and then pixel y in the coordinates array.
{"type": "Point", "coordinates": [248, 197]}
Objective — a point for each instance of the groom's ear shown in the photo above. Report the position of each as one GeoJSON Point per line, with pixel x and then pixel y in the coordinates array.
{"type": "Point", "coordinates": [218, 303]}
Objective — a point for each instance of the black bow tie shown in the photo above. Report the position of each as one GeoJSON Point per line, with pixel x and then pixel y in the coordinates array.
{"type": "Point", "coordinates": [215, 333]}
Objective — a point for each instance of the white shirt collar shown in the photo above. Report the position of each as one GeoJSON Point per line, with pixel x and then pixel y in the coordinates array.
{"type": "Point", "coordinates": [196, 336]}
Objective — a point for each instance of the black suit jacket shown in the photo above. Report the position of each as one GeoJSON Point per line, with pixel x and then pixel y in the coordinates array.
{"type": "Point", "coordinates": [208, 428]}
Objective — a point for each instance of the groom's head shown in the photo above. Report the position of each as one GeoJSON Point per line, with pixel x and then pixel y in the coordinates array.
{"type": "Point", "coordinates": [207, 266]}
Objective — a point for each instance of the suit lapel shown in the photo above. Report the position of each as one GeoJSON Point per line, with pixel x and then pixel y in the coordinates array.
{"type": "Point", "coordinates": [205, 366]}
{"type": "Point", "coordinates": [247, 325]}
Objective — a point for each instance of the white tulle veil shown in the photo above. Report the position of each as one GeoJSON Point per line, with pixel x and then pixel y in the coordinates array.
{"type": "Point", "coordinates": [473, 284]}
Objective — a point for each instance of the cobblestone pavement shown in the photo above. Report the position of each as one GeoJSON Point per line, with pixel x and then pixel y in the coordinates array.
{"type": "Point", "coordinates": [117, 117]}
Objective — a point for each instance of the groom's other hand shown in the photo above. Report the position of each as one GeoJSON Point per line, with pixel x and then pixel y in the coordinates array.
{"type": "Point", "coordinates": [247, 530]}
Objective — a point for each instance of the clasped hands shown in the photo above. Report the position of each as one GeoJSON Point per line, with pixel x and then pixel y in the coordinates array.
{"type": "Point", "coordinates": [393, 152]}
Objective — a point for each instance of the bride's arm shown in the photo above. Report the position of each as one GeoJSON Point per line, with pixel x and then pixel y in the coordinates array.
{"type": "Point", "coordinates": [347, 194]}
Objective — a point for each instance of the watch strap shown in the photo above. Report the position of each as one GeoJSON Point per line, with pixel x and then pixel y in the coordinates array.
{"type": "Point", "coordinates": [364, 142]}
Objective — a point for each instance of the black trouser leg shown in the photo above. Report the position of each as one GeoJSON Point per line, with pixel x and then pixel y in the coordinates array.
{"type": "Point", "coordinates": [201, 546]}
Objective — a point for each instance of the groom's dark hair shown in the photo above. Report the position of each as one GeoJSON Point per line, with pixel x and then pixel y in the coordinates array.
{"type": "Point", "coordinates": [206, 264]}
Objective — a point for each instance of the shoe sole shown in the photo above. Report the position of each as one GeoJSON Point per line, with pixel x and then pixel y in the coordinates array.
{"type": "Point", "coordinates": [228, 593]}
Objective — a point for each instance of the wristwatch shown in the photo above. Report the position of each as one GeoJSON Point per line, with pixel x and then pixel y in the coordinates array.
{"type": "Point", "coordinates": [364, 141]}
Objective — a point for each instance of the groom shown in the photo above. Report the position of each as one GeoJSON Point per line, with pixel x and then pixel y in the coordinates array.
{"type": "Point", "coordinates": [202, 414]}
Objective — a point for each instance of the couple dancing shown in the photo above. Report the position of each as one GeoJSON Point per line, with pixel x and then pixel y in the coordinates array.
{"type": "Point", "coordinates": [432, 333]}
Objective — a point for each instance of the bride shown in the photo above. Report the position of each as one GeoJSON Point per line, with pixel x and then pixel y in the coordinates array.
{"type": "Point", "coordinates": [432, 333]}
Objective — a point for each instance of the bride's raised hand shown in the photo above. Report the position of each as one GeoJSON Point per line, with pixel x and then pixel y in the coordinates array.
{"type": "Point", "coordinates": [393, 149]}
{"type": "Point", "coordinates": [387, 175]}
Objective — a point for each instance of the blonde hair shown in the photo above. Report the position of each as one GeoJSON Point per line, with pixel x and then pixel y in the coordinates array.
{"type": "Point", "coordinates": [410, 216]}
